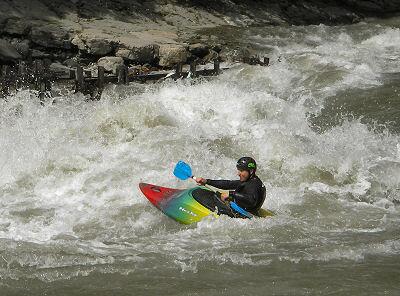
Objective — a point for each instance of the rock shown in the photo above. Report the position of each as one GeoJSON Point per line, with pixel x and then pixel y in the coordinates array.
{"type": "Point", "coordinates": [15, 26]}
{"type": "Point", "coordinates": [38, 54]}
{"type": "Point", "coordinates": [243, 54]}
{"type": "Point", "coordinates": [8, 53]}
{"type": "Point", "coordinates": [110, 63]}
{"type": "Point", "coordinates": [199, 50]}
{"type": "Point", "coordinates": [22, 46]}
{"type": "Point", "coordinates": [172, 54]}
{"type": "Point", "coordinates": [141, 69]}
{"type": "Point", "coordinates": [124, 53]}
{"type": "Point", "coordinates": [78, 42]}
{"type": "Point", "coordinates": [225, 55]}
{"type": "Point", "coordinates": [210, 57]}
{"type": "Point", "coordinates": [140, 55]}
{"type": "Point", "coordinates": [93, 68]}
{"type": "Point", "coordinates": [139, 27]}
{"type": "Point", "coordinates": [217, 47]}
{"type": "Point", "coordinates": [99, 47]}
{"type": "Point", "coordinates": [72, 63]}
{"type": "Point", "coordinates": [50, 35]}
{"type": "Point", "coordinates": [314, 12]}
{"type": "Point", "coordinates": [93, 45]}
{"type": "Point", "coordinates": [59, 69]}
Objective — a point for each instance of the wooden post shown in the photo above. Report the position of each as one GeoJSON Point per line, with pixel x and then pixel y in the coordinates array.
{"type": "Point", "coordinates": [40, 84]}
{"type": "Point", "coordinates": [122, 73]}
{"type": "Point", "coordinates": [178, 70]}
{"type": "Point", "coordinates": [47, 75]}
{"type": "Point", "coordinates": [38, 71]}
{"type": "Point", "coordinates": [79, 82]}
{"type": "Point", "coordinates": [38, 67]}
{"type": "Point", "coordinates": [216, 66]}
{"type": "Point", "coordinates": [100, 77]}
{"type": "Point", "coordinates": [96, 94]}
{"type": "Point", "coordinates": [21, 73]}
{"type": "Point", "coordinates": [3, 80]}
{"type": "Point", "coordinates": [266, 61]}
{"type": "Point", "coordinates": [192, 70]}
{"type": "Point", "coordinates": [46, 65]}
{"type": "Point", "coordinates": [3, 71]}
{"type": "Point", "coordinates": [42, 91]}
{"type": "Point", "coordinates": [72, 74]}
{"type": "Point", "coordinates": [125, 69]}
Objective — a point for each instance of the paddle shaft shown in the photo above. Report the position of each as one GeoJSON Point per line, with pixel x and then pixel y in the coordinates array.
{"type": "Point", "coordinates": [212, 189]}
{"type": "Point", "coordinates": [231, 204]}
{"type": "Point", "coordinates": [205, 185]}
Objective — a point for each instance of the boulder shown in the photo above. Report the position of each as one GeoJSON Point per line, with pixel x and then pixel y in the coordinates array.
{"type": "Point", "coordinates": [225, 55]}
{"type": "Point", "coordinates": [139, 55]}
{"type": "Point", "coordinates": [78, 42]}
{"type": "Point", "coordinates": [110, 63]}
{"type": "Point", "coordinates": [38, 54]}
{"type": "Point", "coordinates": [72, 63]}
{"type": "Point", "coordinates": [50, 35]}
{"type": "Point", "coordinates": [16, 26]}
{"type": "Point", "coordinates": [199, 50]}
{"type": "Point", "coordinates": [210, 57]}
{"type": "Point", "coordinates": [99, 47]}
{"type": "Point", "coordinates": [93, 45]}
{"type": "Point", "coordinates": [315, 12]}
{"type": "Point", "coordinates": [243, 54]}
{"type": "Point", "coordinates": [8, 53]}
{"type": "Point", "coordinates": [59, 69]}
{"type": "Point", "coordinates": [22, 46]}
{"type": "Point", "coordinates": [172, 54]}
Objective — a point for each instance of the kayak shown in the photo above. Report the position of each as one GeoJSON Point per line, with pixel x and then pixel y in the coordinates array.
{"type": "Point", "coordinates": [192, 205]}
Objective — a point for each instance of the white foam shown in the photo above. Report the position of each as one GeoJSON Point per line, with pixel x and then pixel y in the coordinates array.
{"type": "Point", "coordinates": [69, 171]}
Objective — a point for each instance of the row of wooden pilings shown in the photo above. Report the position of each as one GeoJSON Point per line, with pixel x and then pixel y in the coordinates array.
{"type": "Point", "coordinates": [87, 84]}
{"type": "Point", "coordinates": [38, 76]}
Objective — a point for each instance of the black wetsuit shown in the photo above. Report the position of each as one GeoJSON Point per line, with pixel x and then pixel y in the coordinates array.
{"type": "Point", "coordinates": [249, 195]}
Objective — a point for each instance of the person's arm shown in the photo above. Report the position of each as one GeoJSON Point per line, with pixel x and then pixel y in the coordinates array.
{"type": "Point", "coordinates": [221, 184]}
{"type": "Point", "coordinates": [224, 184]}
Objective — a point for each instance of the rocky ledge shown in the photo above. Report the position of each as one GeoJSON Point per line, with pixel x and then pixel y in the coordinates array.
{"type": "Point", "coordinates": [158, 33]}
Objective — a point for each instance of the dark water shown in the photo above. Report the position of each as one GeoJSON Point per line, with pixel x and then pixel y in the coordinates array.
{"type": "Point", "coordinates": [322, 122]}
{"type": "Point", "coordinates": [378, 107]}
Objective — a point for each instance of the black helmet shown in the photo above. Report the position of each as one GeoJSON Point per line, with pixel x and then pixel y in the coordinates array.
{"type": "Point", "coordinates": [246, 163]}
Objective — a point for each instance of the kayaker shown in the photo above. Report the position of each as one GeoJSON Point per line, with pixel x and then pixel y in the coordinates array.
{"type": "Point", "coordinates": [248, 192]}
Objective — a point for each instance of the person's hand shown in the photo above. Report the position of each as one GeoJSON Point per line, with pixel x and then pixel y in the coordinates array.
{"type": "Point", "coordinates": [201, 181]}
{"type": "Point", "coordinates": [224, 196]}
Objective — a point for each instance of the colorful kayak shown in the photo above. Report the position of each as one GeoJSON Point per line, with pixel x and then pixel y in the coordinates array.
{"type": "Point", "coordinates": [190, 205]}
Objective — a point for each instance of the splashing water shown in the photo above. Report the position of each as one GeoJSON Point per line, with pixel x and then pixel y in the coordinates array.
{"type": "Point", "coordinates": [72, 216]}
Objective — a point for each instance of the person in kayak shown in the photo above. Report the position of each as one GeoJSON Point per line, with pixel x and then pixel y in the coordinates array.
{"type": "Point", "coordinates": [248, 192]}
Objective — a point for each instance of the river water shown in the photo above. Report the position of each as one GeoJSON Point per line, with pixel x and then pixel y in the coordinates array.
{"type": "Point", "coordinates": [322, 121]}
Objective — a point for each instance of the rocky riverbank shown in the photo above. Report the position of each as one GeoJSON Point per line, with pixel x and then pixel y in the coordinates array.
{"type": "Point", "coordinates": [157, 33]}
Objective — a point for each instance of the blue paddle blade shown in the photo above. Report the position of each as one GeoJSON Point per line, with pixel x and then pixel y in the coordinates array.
{"type": "Point", "coordinates": [182, 170]}
{"type": "Point", "coordinates": [240, 210]}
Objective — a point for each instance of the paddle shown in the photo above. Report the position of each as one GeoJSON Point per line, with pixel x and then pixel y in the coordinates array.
{"type": "Point", "coordinates": [183, 171]}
